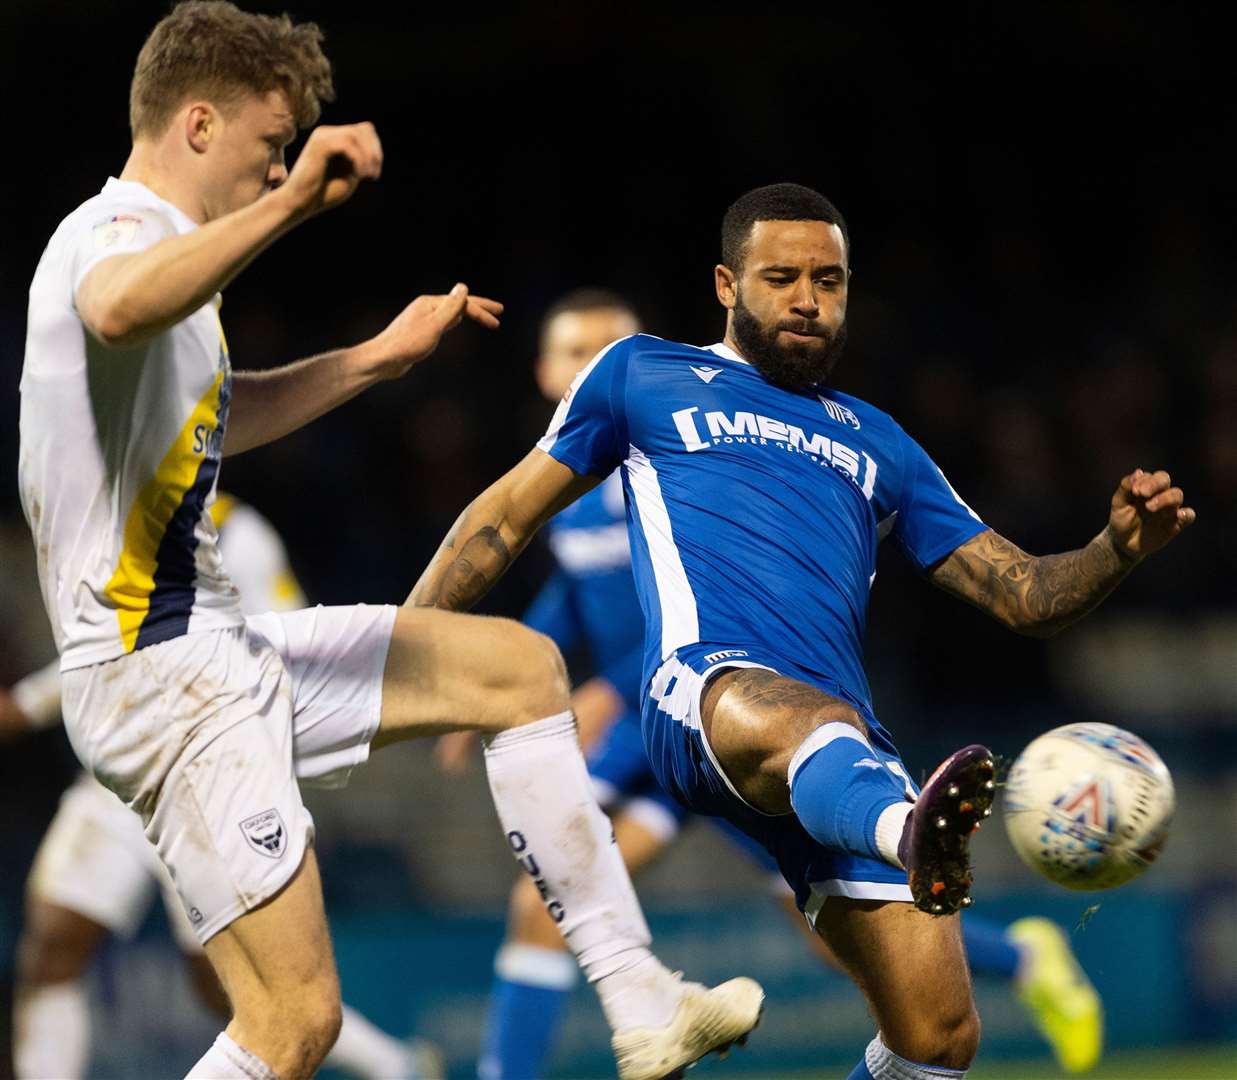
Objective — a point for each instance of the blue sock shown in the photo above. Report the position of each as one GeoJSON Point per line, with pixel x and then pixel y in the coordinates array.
{"type": "Point", "coordinates": [988, 947]}
{"type": "Point", "coordinates": [838, 788]}
{"type": "Point", "coordinates": [861, 1072]}
{"type": "Point", "coordinates": [531, 987]}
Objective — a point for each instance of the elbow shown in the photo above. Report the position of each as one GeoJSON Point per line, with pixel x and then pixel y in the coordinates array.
{"type": "Point", "coordinates": [112, 329]}
{"type": "Point", "coordinates": [113, 324]}
{"type": "Point", "coordinates": [1029, 626]}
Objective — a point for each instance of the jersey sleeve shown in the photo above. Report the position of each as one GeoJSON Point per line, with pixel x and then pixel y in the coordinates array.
{"type": "Point", "coordinates": [552, 613]}
{"type": "Point", "coordinates": [589, 432]}
{"type": "Point", "coordinates": [113, 230]}
{"type": "Point", "coordinates": [932, 519]}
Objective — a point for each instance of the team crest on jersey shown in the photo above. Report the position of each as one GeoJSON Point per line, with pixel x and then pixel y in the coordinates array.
{"type": "Point", "coordinates": [840, 413]}
{"type": "Point", "coordinates": [1088, 804]}
{"type": "Point", "coordinates": [705, 373]}
{"type": "Point", "coordinates": [266, 833]}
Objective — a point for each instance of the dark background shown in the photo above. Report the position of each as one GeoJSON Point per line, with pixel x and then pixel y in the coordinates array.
{"type": "Point", "coordinates": [1041, 203]}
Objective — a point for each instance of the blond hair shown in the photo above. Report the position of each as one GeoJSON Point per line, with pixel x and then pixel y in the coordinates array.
{"type": "Point", "coordinates": [212, 49]}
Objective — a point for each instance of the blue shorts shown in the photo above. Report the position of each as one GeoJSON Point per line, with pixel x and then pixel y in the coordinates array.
{"type": "Point", "coordinates": [685, 765]}
{"type": "Point", "coordinates": [624, 779]}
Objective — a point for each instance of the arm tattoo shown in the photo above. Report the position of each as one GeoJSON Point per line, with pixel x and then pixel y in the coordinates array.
{"type": "Point", "coordinates": [470, 572]}
{"type": "Point", "coordinates": [1030, 594]}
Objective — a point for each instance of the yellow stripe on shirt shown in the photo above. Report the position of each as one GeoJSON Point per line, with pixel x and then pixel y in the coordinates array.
{"type": "Point", "coordinates": [133, 581]}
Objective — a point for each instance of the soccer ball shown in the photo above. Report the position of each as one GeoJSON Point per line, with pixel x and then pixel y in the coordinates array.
{"type": "Point", "coordinates": [1088, 805]}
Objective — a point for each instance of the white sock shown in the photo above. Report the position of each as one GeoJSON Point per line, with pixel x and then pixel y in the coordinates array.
{"type": "Point", "coordinates": [51, 1031]}
{"type": "Point", "coordinates": [889, 828]}
{"type": "Point", "coordinates": [535, 965]}
{"type": "Point", "coordinates": [560, 836]}
{"type": "Point", "coordinates": [884, 1064]}
{"type": "Point", "coordinates": [225, 1060]}
{"type": "Point", "coordinates": [366, 1051]}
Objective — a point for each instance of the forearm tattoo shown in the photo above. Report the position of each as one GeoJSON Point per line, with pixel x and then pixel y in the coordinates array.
{"type": "Point", "coordinates": [1036, 595]}
{"type": "Point", "coordinates": [469, 572]}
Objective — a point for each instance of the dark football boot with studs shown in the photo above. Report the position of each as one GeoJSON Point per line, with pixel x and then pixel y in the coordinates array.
{"type": "Point", "coordinates": [936, 840]}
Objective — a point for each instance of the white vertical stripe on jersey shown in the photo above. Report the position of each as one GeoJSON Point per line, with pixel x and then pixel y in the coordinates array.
{"type": "Point", "coordinates": [679, 622]}
{"type": "Point", "coordinates": [961, 501]}
{"type": "Point", "coordinates": [547, 441]}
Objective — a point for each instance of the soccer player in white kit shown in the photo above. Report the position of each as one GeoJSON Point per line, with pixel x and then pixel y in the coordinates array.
{"type": "Point", "coordinates": [96, 874]}
{"type": "Point", "coordinates": [201, 721]}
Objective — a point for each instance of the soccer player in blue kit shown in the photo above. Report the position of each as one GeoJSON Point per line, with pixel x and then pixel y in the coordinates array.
{"type": "Point", "coordinates": [590, 600]}
{"type": "Point", "coordinates": [756, 497]}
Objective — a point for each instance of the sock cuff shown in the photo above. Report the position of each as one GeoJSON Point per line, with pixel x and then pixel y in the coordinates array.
{"type": "Point", "coordinates": [534, 965]}
{"type": "Point", "coordinates": [818, 740]}
{"type": "Point", "coordinates": [249, 1064]}
{"type": "Point", "coordinates": [559, 726]}
{"type": "Point", "coordinates": [884, 1064]}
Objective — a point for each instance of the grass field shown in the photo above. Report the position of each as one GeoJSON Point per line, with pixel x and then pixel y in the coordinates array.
{"type": "Point", "coordinates": [1184, 1063]}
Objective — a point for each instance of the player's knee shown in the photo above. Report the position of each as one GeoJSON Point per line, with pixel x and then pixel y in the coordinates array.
{"type": "Point", "coordinates": [323, 1018]}
{"type": "Point", "coordinates": [536, 676]}
{"type": "Point", "coordinates": [950, 1040]}
{"type": "Point", "coordinates": [293, 1028]}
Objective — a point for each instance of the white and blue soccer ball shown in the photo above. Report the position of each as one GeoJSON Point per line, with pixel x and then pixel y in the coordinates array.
{"type": "Point", "coordinates": [1088, 805]}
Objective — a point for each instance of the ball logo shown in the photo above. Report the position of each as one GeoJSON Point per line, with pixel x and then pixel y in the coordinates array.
{"type": "Point", "coordinates": [1088, 804]}
{"type": "Point", "coordinates": [265, 833]}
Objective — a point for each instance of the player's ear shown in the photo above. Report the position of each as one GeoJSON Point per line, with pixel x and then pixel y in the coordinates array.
{"type": "Point", "coordinates": [201, 125]}
{"type": "Point", "coordinates": [725, 283]}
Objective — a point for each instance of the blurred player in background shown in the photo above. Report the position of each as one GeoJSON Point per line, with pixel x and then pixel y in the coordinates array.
{"type": "Point", "coordinates": [95, 873]}
{"type": "Point", "coordinates": [756, 496]}
{"type": "Point", "coordinates": [201, 720]}
{"type": "Point", "coordinates": [590, 600]}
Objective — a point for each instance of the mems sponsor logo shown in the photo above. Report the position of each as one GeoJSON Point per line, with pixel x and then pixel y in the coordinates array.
{"type": "Point", "coordinates": [702, 431]}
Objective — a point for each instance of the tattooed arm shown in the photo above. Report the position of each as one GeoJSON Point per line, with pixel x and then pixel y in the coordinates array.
{"type": "Point", "coordinates": [1042, 595]}
{"type": "Point", "coordinates": [493, 529]}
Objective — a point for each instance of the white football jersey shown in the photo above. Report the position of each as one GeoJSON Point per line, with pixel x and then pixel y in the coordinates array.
{"type": "Point", "coordinates": [120, 449]}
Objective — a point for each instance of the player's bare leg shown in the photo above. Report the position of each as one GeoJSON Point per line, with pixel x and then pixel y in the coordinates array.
{"type": "Point", "coordinates": [206, 984]}
{"type": "Point", "coordinates": [51, 1017]}
{"type": "Point", "coordinates": [789, 747]}
{"type": "Point", "coordinates": [445, 672]}
{"type": "Point", "coordinates": [276, 965]}
{"type": "Point", "coordinates": [912, 969]}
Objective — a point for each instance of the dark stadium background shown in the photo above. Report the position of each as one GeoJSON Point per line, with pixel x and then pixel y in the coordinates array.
{"type": "Point", "coordinates": [1041, 203]}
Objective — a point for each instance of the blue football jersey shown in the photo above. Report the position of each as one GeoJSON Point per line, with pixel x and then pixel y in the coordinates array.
{"type": "Point", "coordinates": [753, 512]}
{"type": "Point", "coordinates": [591, 597]}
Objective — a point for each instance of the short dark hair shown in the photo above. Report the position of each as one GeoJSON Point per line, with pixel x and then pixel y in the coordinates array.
{"type": "Point", "coordinates": [774, 202]}
{"type": "Point", "coordinates": [213, 49]}
{"type": "Point", "coordinates": [589, 299]}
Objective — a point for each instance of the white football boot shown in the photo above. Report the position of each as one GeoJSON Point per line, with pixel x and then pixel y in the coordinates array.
{"type": "Point", "coordinates": [705, 1020]}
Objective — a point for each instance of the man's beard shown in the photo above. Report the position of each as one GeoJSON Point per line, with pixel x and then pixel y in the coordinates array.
{"type": "Point", "coordinates": [797, 365]}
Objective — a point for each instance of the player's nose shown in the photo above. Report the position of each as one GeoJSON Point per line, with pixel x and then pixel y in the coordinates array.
{"type": "Point", "coordinates": [803, 302]}
{"type": "Point", "coordinates": [276, 175]}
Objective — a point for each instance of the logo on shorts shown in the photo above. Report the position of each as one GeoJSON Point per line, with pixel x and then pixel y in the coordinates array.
{"type": "Point", "coordinates": [195, 916]}
{"type": "Point", "coordinates": [266, 833]}
{"type": "Point", "coordinates": [723, 654]}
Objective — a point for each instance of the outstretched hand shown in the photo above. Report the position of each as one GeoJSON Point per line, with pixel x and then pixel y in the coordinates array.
{"type": "Point", "coordinates": [1147, 512]}
{"type": "Point", "coordinates": [416, 331]}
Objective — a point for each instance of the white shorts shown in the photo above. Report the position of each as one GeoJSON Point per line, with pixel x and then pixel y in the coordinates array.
{"type": "Point", "coordinates": [205, 737]}
{"type": "Point", "coordinates": [95, 860]}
